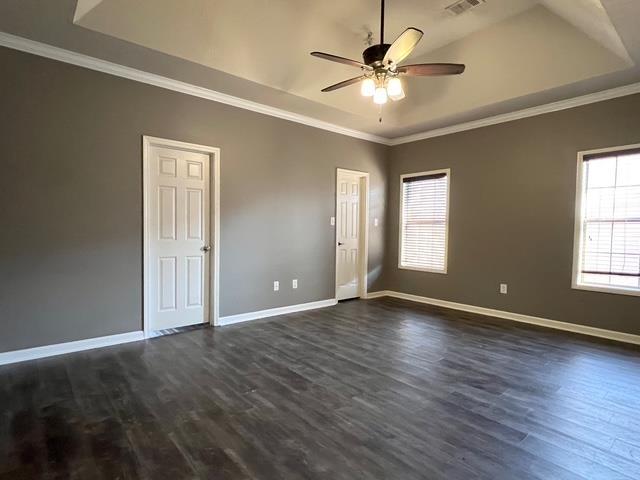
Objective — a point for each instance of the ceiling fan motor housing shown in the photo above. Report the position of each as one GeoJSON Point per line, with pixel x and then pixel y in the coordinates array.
{"type": "Point", "coordinates": [375, 53]}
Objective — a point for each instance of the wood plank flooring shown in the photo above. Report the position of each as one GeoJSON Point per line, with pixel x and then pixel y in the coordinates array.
{"type": "Point", "coordinates": [378, 389]}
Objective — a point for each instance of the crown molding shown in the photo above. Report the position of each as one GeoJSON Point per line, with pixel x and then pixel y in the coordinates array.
{"type": "Point", "coordinates": [55, 53]}
{"type": "Point", "coordinates": [520, 114]}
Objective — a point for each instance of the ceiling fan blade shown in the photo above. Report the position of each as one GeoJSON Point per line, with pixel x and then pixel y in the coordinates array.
{"type": "Point", "coordinates": [431, 69]}
{"type": "Point", "coordinates": [402, 46]}
{"type": "Point", "coordinates": [346, 61]}
{"type": "Point", "coordinates": [344, 83]}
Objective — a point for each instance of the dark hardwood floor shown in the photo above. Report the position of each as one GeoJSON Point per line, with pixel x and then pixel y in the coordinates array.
{"type": "Point", "coordinates": [379, 389]}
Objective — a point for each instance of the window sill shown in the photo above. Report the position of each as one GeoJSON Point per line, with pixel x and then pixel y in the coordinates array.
{"type": "Point", "coordinates": [604, 289]}
{"type": "Point", "coordinates": [425, 270]}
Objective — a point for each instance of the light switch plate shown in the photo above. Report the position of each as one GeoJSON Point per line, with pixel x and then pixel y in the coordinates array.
{"type": "Point", "coordinates": [375, 222]}
{"type": "Point", "coordinates": [332, 221]}
{"type": "Point", "coordinates": [503, 288]}
{"type": "Point", "coordinates": [294, 283]}
{"type": "Point", "coordinates": [276, 286]}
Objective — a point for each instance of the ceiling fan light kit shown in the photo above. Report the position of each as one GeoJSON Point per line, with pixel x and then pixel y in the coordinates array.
{"type": "Point", "coordinates": [382, 85]}
{"type": "Point", "coordinates": [381, 67]}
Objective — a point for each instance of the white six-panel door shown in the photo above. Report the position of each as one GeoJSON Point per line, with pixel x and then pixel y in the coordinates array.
{"type": "Point", "coordinates": [179, 232]}
{"type": "Point", "coordinates": [348, 224]}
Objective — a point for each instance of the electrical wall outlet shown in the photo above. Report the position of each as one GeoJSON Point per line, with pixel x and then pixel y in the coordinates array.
{"type": "Point", "coordinates": [503, 288]}
{"type": "Point", "coordinates": [276, 286]}
{"type": "Point", "coordinates": [294, 283]}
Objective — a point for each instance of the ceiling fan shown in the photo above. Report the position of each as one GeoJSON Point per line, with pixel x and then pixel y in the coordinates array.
{"type": "Point", "coordinates": [381, 69]}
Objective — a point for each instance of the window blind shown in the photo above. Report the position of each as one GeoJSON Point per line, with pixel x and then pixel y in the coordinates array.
{"type": "Point", "coordinates": [610, 244]}
{"type": "Point", "coordinates": [424, 222]}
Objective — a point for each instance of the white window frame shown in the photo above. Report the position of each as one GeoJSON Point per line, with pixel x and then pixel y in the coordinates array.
{"type": "Point", "coordinates": [446, 171]}
{"type": "Point", "coordinates": [579, 224]}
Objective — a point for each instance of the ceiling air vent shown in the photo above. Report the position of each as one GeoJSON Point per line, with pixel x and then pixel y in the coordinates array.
{"type": "Point", "coordinates": [461, 6]}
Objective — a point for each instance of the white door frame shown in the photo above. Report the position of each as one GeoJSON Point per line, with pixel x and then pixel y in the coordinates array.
{"type": "Point", "coordinates": [364, 239]}
{"type": "Point", "coordinates": [214, 258]}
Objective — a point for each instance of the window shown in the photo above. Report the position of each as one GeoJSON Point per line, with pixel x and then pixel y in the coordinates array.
{"type": "Point", "coordinates": [424, 221]}
{"type": "Point", "coordinates": [607, 249]}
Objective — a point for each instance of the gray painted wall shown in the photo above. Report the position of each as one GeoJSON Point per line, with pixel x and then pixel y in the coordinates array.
{"type": "Point", "coordinates": [71, 190]}
{"type": "Point", "coordinates": [71, 200]}
{"type": "Point", "coordinates": [512, 214]}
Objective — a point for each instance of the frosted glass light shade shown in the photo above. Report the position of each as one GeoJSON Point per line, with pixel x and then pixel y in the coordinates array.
{"type": "Point", "coordinates": [394, 89]}
{"type": "Point", "coordinates": [380, 96]}
{"type": "Point", "coordinates": [368, 87]}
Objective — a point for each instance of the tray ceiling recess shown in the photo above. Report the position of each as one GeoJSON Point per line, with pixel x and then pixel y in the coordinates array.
{"type": "Point", "coordinates": [518, 53]}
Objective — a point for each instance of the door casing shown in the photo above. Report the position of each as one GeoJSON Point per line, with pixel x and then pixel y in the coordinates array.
{"type": "Point", "coordinates": [364, 237]}
{"type": "Point", "coordinates": [214, 190]}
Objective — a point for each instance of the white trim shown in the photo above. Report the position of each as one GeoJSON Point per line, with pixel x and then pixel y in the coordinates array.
{"type": "Point", "coordinates": [579, 226]}
{"type": "Point", "coordinates": [378, 294]}
{"type": "Point", "coordinates": [577, 222]}
{"type": "Point", "coordinates": [69, 347]}
{"type": "Point", "coordinates": [215, 237]}
{"type": "Point", "coordinates": [56, 53]}
{"type": "Point", "coordinates": [447, 172]}
{"type": "Point", "coordinates": [610, 94]}
{"type": "Point", "coordinates": [364, 242]}
{"type": "Point", "coordinates": [99, 65]}
{"type": "Point", "coordinates": [214, 154]}
{"type": "Point", "coordinates": [605, 289]}
{"type": "Point", "coordinates": [516, 317]}
{"type": "Point", "coordinates": [272, 312]}
{"type": "Point", "coordinates": [597, 151]}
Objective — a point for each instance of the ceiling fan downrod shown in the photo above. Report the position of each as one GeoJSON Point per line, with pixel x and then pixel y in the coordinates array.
{"type": "Point", "coordinates": [382, 22]}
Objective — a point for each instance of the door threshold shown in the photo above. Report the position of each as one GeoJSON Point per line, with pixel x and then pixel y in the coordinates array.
{"type": "Point", "coordinates": [349, 299]}
{"type": "Point", "coordinates": [173, 331]}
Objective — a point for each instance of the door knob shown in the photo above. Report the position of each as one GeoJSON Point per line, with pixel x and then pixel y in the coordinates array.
{"type": "Point", "coordinates": [340, 244]}
{"type": "Point", "coordinates": [205, 248]}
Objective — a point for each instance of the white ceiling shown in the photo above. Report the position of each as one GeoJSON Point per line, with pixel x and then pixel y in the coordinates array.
{"type": "Point", "coordinates": [268, 41]}
{"type": "Point", "coordinates": [502, 70]}
{"type": "Point", "coordinates": [519, 53]}
{"type": "Point", "coordinates": [512, 48]}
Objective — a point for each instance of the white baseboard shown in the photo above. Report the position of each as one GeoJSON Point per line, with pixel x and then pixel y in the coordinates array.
{"type": "Point", "coordinates": [381, 293]}
{"type": "Point", "coordinates": [516, 317]}
{"type": "Point", "coordinates": [90, 343]}
{"type": "Point", "coordinates": [79, 345]}
{"type": "Point", "coordinates": [68, 347]}
{"type": "Point", "coordinates": [272, 312]}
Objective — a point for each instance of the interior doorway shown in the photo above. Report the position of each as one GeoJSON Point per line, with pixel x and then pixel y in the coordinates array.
{"type": "Point", "coordinates": [181, 231]}
{"type": "Point", "coordinates": [352, 227]}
